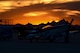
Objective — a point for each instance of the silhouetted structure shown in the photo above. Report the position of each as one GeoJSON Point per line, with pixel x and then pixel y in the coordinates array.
{"type": "Point", "coordinates": [35, 33]}
{"type": "Point", "coordinates": [67, 32]}
{"type": "Point", "coordinates": [21, 31]}
{"type": "Point", "coordinates": [6, 32]}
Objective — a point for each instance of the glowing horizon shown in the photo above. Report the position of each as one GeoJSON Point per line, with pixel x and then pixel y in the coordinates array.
{"type": "Point", "coordinates": [36, 20]}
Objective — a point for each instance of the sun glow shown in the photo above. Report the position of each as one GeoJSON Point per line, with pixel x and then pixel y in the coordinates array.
{"type": "Point", "coordinates": [56, 20]}
{"type": "Point", "coordinates": [31, 14]}
{"type": "Point", "coordinates": [35, 14]}
{"type": "Point", "coordinates": [38, 17]}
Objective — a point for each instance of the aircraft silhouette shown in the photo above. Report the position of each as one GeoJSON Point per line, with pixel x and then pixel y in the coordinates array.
{"type": "Point", "coordinates": [52, 33]}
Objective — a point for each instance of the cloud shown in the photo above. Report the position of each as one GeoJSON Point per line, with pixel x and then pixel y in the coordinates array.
{"type": "Point", "coordinates": [68, 10]}
{"type": "Point", "coordinates": [69, 5]}
{"type": "Point", "coordinates": [41, 7]}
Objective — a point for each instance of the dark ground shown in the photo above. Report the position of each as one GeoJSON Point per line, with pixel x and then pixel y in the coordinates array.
{"type": "Point", "coordinates": [22, 46]}
{"type": "Point", "coordinates": [27, 47]}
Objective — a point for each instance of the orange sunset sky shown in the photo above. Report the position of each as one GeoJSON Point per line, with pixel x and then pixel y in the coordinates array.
{"type": "Point", "coordinates": [24, 11]}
